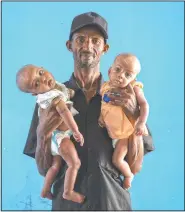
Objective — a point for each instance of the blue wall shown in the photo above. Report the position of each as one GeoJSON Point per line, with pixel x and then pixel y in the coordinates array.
{"type": "Point", "coordinates": [36, 33]}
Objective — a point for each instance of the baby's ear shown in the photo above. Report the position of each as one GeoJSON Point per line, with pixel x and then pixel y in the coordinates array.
{"type": "Point", "coordinates": [109, 70]}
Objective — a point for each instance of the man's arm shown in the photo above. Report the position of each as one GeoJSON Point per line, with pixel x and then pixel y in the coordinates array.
{"type": "Point", "coordinates": [31, 142]}
{"type": "Point", "coordinates": [43, 156]}
{"type": "Point", "coordinates": [39, 138]}
{"type": "Point", "coordinates": [127, 100]}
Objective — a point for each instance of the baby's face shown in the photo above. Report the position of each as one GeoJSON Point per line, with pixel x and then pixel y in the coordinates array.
{"type": "Point", "coordinates": [121, 74]}
{"type": "Point", "coordinates": [37, 80]}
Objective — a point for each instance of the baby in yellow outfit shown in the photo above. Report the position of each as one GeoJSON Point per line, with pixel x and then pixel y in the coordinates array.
{"type": "Point", "coordinates": [120, 127]}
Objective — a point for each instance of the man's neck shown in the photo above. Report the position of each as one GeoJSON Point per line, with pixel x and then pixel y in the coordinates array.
{"type": "Point", "coordinates": [87, 78]}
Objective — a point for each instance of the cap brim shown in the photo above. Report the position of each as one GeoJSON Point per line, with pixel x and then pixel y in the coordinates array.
{"type": "Point", "coordinates": [102, 30]}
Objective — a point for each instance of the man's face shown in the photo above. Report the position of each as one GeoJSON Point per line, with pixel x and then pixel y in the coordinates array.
{"type": "Point", "coordinates": [87, 46]}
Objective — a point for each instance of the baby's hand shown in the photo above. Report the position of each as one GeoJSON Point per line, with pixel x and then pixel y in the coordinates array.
{"type": "Point", "coordinates": [79, 138]}
{"type": "Point", "coordinates": [140, 128]}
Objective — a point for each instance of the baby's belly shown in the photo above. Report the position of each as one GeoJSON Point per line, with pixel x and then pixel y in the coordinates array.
{"type": "Point", "coordinates": [62, 127]}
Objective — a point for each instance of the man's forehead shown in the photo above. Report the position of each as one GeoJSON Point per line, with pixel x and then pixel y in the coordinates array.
{"type": "Point", "coordinates": [88, 31]}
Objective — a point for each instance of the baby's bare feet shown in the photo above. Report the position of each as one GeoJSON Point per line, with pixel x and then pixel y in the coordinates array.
{"type": "Point", "coordinates": [74, 196]}
{"type": "Point", "coordinates": [46, 194]}
{"type": "Point", "coordinates": [127, 182]}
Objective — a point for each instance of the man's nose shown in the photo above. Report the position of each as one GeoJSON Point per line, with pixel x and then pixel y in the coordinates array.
{"type": "Point", "coordinates": [87, 44]}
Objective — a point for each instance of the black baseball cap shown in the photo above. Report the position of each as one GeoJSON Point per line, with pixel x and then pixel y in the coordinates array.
{"type": "Point", "coordinates": [89, 19]}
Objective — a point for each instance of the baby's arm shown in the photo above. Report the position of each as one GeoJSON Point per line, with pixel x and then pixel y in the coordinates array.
{"type": "Point", "coordinates": [66, 115]}
{"type": "Point", "coordinates": [144, 110]}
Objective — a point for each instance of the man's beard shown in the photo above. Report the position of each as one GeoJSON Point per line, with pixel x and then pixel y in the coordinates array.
{"type": "Point", "coordinates": [87, 63]}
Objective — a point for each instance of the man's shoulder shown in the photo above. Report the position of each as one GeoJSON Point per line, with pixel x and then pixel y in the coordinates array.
{"type": "Point", "coordinates": [66, 83]}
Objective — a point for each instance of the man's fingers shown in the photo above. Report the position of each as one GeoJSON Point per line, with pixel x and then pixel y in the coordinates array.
{"type": "Point", "coordinates": [130, 89]}
{"type": "Point", "coordinates": [117, 103]}
{"type": "Point", "coordinates": [120, 96]}
{"type": "Point", "coordinates": [55, 101]}
{"type": "Point", "coordinates": [120, 102]}
{"type": "Point", "coordinates": [115, 97]}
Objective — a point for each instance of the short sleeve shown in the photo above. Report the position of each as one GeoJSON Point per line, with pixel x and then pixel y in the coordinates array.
{"type": "Point", "coordinates": [61, 87]}
{"type": "Point", "coordinates": [104, 88]}
{"type": "Point", "coordinates": [137, 83]}
{"type": "Point", "coordinates": [44, 100]}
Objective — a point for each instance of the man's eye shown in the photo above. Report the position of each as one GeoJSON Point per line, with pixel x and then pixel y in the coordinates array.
{"type": "Point", "coordinates": [81, 39]}
{"type": "Point", "coordinates": [37, 84]}
{"type": "Point", "coordinates": [95, 41]}
{"type": "Point", "coordinates": [41, 72]}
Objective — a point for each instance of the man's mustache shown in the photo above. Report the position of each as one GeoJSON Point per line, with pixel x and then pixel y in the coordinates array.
{"type": "Point", "coordinates": [87, 53]}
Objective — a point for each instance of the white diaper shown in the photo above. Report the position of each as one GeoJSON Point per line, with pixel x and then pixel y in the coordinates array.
{"type": "Point", "coordinates": [114, 142]}
{"type": "Point", "coordinates": [56, 139]}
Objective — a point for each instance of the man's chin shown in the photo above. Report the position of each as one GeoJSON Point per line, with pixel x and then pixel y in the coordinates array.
{"type": "Point", "coordinates": [87, 64]}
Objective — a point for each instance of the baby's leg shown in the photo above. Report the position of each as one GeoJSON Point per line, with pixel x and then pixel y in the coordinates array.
{"type": "Point", "coordinates": [118, 160]}
{"type": "Point", "coordinates": [50, 177]}
{"type": "Point", "coordinates": [69, 154]}
{"type": "Point", "coordinates": [135, 153]}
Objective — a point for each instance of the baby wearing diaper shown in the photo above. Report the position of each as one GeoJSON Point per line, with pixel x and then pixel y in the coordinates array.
{"type": "Point", "coordinates": [41, 83]}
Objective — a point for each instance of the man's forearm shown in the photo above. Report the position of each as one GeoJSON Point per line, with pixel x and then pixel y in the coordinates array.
{"type": "Point", "coordinates": [43, 157]}
{"type": "Point", "coordinates": [136, 113]}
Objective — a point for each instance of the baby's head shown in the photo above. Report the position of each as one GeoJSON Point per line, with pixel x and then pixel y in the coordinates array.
{"type": "Point", "coordinates": [124, 70]}
{"type": "Point", "coordinates": [35, 80]}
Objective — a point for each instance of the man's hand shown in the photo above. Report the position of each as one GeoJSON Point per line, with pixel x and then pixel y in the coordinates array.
{"type": "Point", "coordinates": [49, 120]}
{"type": "Point", "coordinates": [79, 138]}
{"type": "Point", "coordinates": [125, 98]}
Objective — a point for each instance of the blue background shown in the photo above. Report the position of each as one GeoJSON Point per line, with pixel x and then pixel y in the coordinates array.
{"type": "Point", "coordinates": [36, 33]}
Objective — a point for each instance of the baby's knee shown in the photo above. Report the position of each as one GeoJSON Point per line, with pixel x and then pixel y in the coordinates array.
{"type": "Point", "coordinates": [55, 168]}
{"type": "Point", "coordinates": [75, 164]}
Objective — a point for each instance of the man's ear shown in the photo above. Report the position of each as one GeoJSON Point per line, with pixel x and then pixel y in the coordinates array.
{"type": "Point", "coordinates": [69, 45]}
{"type": "Point", "coordinates": [106, 48]}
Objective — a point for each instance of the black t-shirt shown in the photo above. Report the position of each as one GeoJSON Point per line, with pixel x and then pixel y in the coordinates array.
{"type": "Point", "coordinates": [97, 178]}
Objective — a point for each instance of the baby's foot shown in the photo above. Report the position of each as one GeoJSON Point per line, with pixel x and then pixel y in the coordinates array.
{"type": "Point", "coordinates": [74, 196]}
{"type": "Point", "coordinates": [46, 194]}
{"type": "Point", "coordinates": [127, 182]}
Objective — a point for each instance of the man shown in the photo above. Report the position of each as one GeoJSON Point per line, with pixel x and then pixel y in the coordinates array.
{"type": "Point", "coordinates": [97, 178]}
